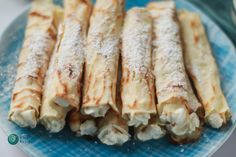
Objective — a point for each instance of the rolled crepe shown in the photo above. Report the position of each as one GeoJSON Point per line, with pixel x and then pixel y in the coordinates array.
{"type": "Point", "coordinates": [52, 116]}
{"type": "Point", "coordinates": [82, 124]}
{"type": "Point", "coordinates": [137, 93]}
{"type": "Point", "coordinates": [62, 87]}
{"type": "Point", "coordinates": [202, 69]}
{"type": "Point", "coordinates": [70, 60]}
{"type": "Point", "coordinates": [34, 58]}
{"type": "Point", "coordinates": [153, 130]}
{"type": "Point", "coordinates": [102, 55]}
{"type": "Point", "coordinates": [113, 129]}
{"type": "Point", "coordinates": [172, 85]}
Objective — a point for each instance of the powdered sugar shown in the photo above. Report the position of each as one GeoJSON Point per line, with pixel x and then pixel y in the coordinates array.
{"type": "Point", "coordinates": [105, 45]}
{"type": "Point", "coordinates": [71, 51]}
{"type": "Point", "coordinates": [108, 47]}
{"type": "Point", "coordinates": [137, 41]}
{"type": "Point", "coordinates": [104, 33]}
{"type": "Point", "coordinates": [169, 52]}
{"type": "Point", "coordinates": [7, 73]}
{"type": "Point", "coordinates": [38, 47]}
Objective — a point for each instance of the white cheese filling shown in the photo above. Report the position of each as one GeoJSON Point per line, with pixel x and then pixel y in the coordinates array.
{"type": "Point", "coordinates": [52, 124]}
{"type": "Point", "coordinates": [178, 119]}
{"type": "Point", "coordinates": [138, 119]}
{"type": "Point", "coordinates": [88, 128]}
{"type": "Point", "coordinates": [96, 111]}
{"type": "Point", "coordinates": [24, 118]}
{"type": "Point", "coordinates": [113, 135]}
{"type": "Point", "coordinates": [153, 131]}
{"type": "Point", "coordinates": [215, 120]}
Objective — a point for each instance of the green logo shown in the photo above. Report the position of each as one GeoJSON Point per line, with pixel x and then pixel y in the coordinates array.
{"type": "Point", "coordinates": [13, 139]}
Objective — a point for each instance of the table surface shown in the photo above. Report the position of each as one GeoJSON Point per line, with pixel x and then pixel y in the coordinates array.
{"type": "Point", "coordinates": [9, 9]}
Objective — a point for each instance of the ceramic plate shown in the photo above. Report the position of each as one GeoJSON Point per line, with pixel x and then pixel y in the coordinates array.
{"type": "Point", "coordinates": [38, 142]}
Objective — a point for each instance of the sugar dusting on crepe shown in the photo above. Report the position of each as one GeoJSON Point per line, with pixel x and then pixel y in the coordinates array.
{"type": "Point", "coordinates": [73, 43]}
{"type": "Point", "coordinates": [136, 50]}
{"type": "Point", "coordinates": [38, 48]}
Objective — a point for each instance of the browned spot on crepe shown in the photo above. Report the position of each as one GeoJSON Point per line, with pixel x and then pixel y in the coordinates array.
{"type": "Point", "coordinates": [20, 65]}
{"type": "Point", "coordinates": [98, 99]}
{"type": "Point", "coordinates": [37, 14]}
{"type": "Point", "coordinates": [133, 106]}
{"type": "Point", "coordinates": [150, 93]}
{"type": "Point", "coordinates": [25, 97]}
{"type": "Point", "coordinates": [119, 17]}
{"type": "Point", "coordinates": [193, 24]}
{"type": "Point", "coordinates": [192, 75]}
{"type": "Point", "coordinates": [125, 79]}
{"type": "Point", "coordinates": [41, 73]}
{"type": "Point", "coordinates": [70, 71]}
{"type": "Point", "coordinates": [54, 24]}
{"type": "Point", "coordinates": [85, 1]}
{"type": "Point", "coordinates": [52, 33]}
{"type": "Point", "coordinates": [74, 118]}
{"type": "Point", "coordinates": [153, 7]}
{"type": "Point", "coordinates": [177, 86]}
{"type": "Point", "coordinates": [63, 85]}
{"type": "Point", "coordinates": [35, 79]}
{"type": "Point", "coordinates": [86, 100]}
{"type": "Point", "coordinates": [128, 76]}
{"type": "Point", "coordinates": [113, 87]}
{"type": "Point", "coordinates": [18, 105]}
{"type": "Point", "coordinates": [196, 38]}
{"type": "Point", "coordinates": [39, 92]}
{"type": "Point", "coordinates": [214, 88]}
{"type": "Point", "coordinates": [87, 81]}
{"type": "Point", "coordinates": [155, 17]}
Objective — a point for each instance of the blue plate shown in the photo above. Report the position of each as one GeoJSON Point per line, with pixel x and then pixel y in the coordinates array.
{"type": "Point", "coordinates": [38, 142]}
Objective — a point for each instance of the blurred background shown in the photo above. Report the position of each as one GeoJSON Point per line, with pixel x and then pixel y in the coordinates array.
{"type": "Point", "coordinates": [223, 12]}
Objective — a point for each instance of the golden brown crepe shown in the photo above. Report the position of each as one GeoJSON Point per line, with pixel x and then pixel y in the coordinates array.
{"type": "Point", "coordinates": [173, 91]}
{"type": "Point", "coordinates": [34, 58]}
{"type": "Point", "coordinates": [62, 90]}
{"type": "Point", "coordinates": [202, 69]}
{"type": "Point", "coordinates": [70, 60]}
{"type": "Point", "coordinates": [137, 86]}
{"type": "Point", "coordinates": [102, 55]}
{"type": "Point", "coordinates": [113, 129]}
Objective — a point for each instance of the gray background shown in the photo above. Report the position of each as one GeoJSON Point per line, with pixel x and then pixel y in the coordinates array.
{"type": "Point", "coordinates": [9, 9]}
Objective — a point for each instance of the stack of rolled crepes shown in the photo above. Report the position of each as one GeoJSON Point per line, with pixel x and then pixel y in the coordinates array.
{"type": "Point", "coordinates": [108, 71]}
{"type": "Point", "coordinates": [34, 58]}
